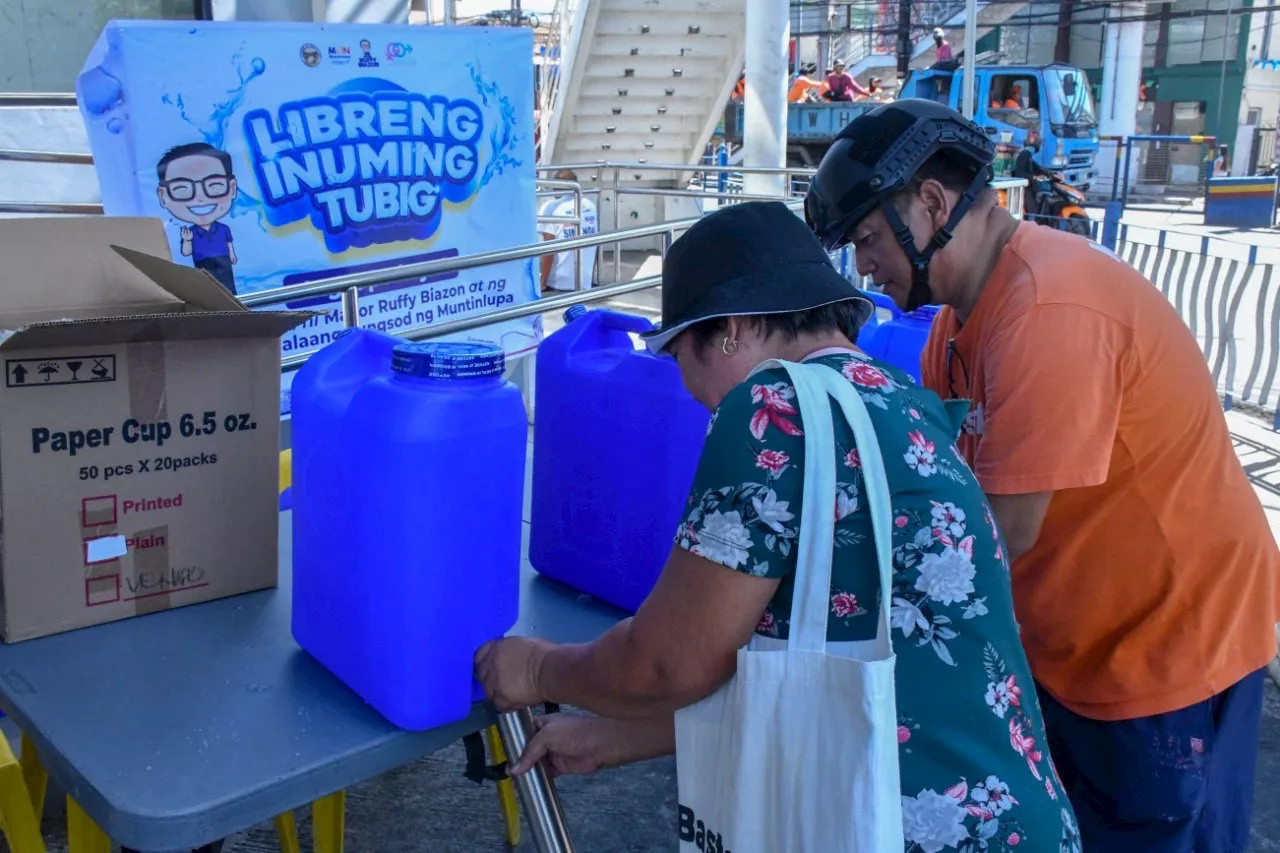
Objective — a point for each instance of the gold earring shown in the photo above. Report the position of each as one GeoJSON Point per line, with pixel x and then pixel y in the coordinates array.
{"type": "Point", "coordinates": [729, 347]}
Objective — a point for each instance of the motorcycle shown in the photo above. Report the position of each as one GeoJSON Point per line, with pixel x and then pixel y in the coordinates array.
{"type": "Point", "coordinates": [1049, 200]}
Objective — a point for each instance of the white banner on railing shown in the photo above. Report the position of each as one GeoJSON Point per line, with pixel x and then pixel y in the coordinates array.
{"type": "Point", "coordinates": [281, 154]}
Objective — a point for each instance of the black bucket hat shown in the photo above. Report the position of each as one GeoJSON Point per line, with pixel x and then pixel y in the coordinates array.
{"type": "Point", "coordinates": [747, 259]}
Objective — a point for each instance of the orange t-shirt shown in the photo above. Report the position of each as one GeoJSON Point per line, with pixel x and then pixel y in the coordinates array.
{"type": "Point", "coordinates": [801, 88]}
{"type": "Point", "coordinates": [1153, 583]}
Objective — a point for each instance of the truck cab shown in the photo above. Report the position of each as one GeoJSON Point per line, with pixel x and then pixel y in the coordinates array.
{"type": "Point", "coordinates": [1014, 100]}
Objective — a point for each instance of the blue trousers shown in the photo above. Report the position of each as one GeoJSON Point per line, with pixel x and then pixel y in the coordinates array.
{"type": "Point", "coordinates": [1180, 782]}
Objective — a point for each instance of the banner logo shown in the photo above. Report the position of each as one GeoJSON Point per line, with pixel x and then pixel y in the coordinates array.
{"type": "Point", "coordinates": [366, 167]}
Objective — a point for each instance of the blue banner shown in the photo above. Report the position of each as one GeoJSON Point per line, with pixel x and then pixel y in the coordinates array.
{"type": "Point", "coordinates": [284, 153]}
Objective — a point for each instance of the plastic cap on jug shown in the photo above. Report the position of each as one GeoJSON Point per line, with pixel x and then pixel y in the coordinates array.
{"type": "Point", "coordinates": [575, 312]}
{"type": "Point", "coordinates": [433, 360]}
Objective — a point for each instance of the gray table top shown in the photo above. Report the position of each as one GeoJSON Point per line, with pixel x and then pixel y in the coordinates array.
{"type": "Point", "coordinates": [176, 729]}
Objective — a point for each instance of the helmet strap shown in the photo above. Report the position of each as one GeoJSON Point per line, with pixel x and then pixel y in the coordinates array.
{"type": "Point", "coordinates": [921, 294]}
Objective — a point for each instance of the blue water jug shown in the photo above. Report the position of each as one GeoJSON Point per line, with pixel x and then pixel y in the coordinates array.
{"type": "Point", "coordinates": [900, 340]}
{"type": "Point", "coordinates": [616, 443]}
{"type": "Point", "coordinates": [884, 311]}
{"type": "Point", "coordinates": [321, 393]}
{"type": "Point", "coordinates": [431, 491]}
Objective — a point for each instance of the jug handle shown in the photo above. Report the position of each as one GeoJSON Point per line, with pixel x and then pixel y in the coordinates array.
{"type": "Point", "coordinates": [610, 319]}
{"type": "Point", "coordinates": [882, 301]}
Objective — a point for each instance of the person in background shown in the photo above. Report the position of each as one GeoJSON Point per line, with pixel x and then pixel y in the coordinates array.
{"type": "Point", "coordinates": [804, 87]}
{"type": "Point", "coordinates": [558, 270]}
{"type": "Point", "coordinates": [875, 91]}
{"type": "Point", "coordinates": [747, 284]}
{"type": "Point", "coordinates": [840, 84]}
{"type": "Point", "coordinates": [941, 45]}
{"type": "Point", "coordinates": [1222, 163]}
{"type": "Point", "coordinates": [1144, 571]}
{"type": "Point", "coordinates": [1014, 101]}
{"type": "Point", "coordinates": [740, 89]}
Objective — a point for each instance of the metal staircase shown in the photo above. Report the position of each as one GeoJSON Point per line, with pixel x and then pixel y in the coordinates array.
{"type": "Point", "coordinates": [639, 81]}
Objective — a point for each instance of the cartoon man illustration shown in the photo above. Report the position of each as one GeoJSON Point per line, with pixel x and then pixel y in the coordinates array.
{"type": "Point", "coordinates": [197, 187]}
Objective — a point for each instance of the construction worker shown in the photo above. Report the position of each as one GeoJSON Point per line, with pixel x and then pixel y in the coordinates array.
{"type": "Point", "coordinates": [805, 87]}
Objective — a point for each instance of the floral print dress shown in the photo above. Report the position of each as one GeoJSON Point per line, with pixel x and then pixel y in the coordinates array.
{"type": "Point", "coordinates": [975, 768]}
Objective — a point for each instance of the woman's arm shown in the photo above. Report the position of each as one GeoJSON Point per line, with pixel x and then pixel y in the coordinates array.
{"type": "Point", "coordinates": [735, 543]}
{"type": "Point", "coordinates": [574, 744]}
{"type": "Point", "coordinates": [679, 647]}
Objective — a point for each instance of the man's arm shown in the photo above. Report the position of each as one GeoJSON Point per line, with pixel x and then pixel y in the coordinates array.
{"type": "Point", "coordinates": [1019, 518]}
{"type": "Point", "coordinates": [231, 252]}
{"type": "Point", "coordinates": [546, 262]}
{"type": "Point", "coordinates": [1053, 392]}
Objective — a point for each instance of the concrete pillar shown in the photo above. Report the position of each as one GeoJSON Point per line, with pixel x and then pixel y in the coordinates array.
{"type": "Point", "coordinates": [764, 132]}
{"type": "Point", "coordinates": [1121, 78]}
{"type": "Point", "coordinates": [968, 98]}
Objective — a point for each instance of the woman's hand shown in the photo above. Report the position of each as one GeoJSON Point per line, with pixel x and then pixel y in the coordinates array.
{"type": "Point", "coordinates": [509, 670]}
{"type": "Point", "coordinates": [572, 745]}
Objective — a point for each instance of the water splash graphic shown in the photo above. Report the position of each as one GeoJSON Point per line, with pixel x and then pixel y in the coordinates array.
{"type": "Point", "coordinates": [213, 129]}
{"type": "Point", "coordinates": [503, 138]}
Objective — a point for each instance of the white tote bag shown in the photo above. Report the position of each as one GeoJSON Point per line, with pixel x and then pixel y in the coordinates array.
{"type": "Point", "coordinates": [798, 752]}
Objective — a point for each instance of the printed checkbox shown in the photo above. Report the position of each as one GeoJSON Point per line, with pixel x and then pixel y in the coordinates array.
{"type": "Point", "coordinates": [101, 590]}
{"type": "Point", "coordinates": [98, 511]}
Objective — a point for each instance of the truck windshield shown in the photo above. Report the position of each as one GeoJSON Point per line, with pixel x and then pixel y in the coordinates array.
{"type": "Point", "coordinates": [1069, 98]}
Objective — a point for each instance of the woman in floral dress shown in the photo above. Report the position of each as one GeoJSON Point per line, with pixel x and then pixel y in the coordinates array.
{"type": "Point", "coordinates": [743, 286]}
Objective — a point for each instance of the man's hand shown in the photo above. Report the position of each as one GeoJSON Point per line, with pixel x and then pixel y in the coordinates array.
{"type": "Point", "coordinates": [509, 671]}
{"type": "Point", "coordinates": [186, 234]}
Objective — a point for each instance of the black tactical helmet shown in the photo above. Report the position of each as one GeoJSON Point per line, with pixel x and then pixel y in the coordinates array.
{"type": "Point", "coordinates": [876, 156]}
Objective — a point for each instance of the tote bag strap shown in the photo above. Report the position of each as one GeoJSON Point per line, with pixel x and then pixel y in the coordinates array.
{"type": "Point", "coordinates": [875, 488]}
{"type": "Point", "coordinates": [811, 602]}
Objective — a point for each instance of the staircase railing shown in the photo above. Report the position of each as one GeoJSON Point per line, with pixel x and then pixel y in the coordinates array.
{"type": "Point", "coordinates": [855, 42]}
{"type": "Point", "coordinates": [561, 45]}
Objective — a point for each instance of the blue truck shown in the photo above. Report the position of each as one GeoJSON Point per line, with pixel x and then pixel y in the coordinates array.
{"type": "Point", "coordinates": [1051, 101]}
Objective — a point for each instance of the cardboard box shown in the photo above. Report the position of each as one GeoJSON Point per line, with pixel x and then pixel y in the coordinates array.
{"type": "Point", "coordinates": [139, 428]}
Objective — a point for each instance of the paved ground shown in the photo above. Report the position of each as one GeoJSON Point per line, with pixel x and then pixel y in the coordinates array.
{"type": "Point", "coordinates": [428, 807]}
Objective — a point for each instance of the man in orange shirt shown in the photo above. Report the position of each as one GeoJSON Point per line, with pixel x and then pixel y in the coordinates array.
{"type": "Point", "coordinates": [1144, 571]}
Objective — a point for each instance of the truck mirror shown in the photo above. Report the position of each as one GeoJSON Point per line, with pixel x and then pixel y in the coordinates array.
{"type": "Point", "coordinates": [1069, 85]}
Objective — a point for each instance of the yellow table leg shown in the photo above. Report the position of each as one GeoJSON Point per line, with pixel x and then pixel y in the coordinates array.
{"type": "Point", "coordinates": [21, 828]}
{"type": "Point", "coordinates": [36, 777]}
{"type": "Point", "coordinates": [287, 833]}
{"type": "Point", "coordinates": [286, 469]}
{"type": "Point", "coordinates": [328, 822]}
{"type": "Point", "coordinates": [506, 789]}
{"type": "Point", "coordinates": [83, 835]}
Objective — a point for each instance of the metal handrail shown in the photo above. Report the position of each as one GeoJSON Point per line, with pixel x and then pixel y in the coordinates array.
{"type": "Point", "coordinates": [42, 208]}
{"type": "Point", "coordinates": [674, 167]}
{"type": "Point", "coordinates": [351, 312]}
{"type": "Point", "coordinates": [37, 99]}
{"type": "Point", "coordinates": [423, 269]}
{"type": "Point", "coordinates": [27, 156]}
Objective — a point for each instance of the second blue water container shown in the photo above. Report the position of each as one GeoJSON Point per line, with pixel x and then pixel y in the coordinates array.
{"type": "Point", "coordinates": [898, 341]}
{"type": "Point", "coordinates": [616, 443]}
{"type": "Point", "coordinates": [407, 540]}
